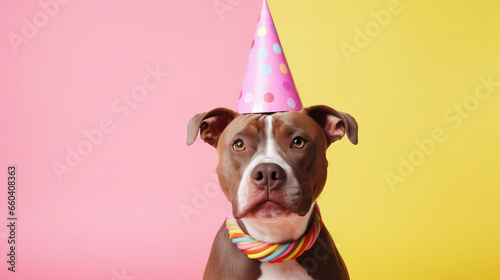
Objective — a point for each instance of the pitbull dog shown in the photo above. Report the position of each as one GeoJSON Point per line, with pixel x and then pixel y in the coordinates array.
{"type": "Point", "coordinates": [272, 168]}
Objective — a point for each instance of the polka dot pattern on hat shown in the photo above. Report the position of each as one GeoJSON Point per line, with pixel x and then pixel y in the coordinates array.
{"type": "Point", "coordinates": [277, 48]}
{"type": "Point", "coordinates": [287, 86]}
{"type": "Point", "coordinates": [262, 31]}
{"type": "Point", "coordinates": [262, 54]}
{"type": "Point", "coordinates": [266, 69]}
{"type": "Point", "coordinates": [268, 85]}
{"type": "Point", "coordinates": [268, 97]}
{"type": "Point", "coordinates": [283, 68]}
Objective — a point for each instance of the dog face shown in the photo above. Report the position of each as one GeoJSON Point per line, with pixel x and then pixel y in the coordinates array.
{"type": "Point", "coordinates": [272, 165]}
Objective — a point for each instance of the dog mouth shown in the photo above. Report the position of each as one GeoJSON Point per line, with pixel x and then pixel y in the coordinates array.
{"type": "Point", "coordinates": [265, 209]}
{"type": "Point", "coordinates": [268, 210]}
{"type": "Point", "coordinates": [269, 206]}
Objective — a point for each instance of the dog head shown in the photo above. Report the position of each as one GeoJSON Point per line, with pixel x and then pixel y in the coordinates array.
{"type": "Point", "coordinates": [272, 166]}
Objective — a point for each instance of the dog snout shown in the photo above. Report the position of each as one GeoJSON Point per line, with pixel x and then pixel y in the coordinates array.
{"type": "Point", "coordinates": [268, 175]}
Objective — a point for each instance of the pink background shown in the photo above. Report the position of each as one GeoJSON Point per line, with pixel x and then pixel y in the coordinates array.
{"type": "Point", "coordinates": [119, 208]}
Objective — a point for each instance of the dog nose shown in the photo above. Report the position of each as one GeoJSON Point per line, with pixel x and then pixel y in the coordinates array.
{"type": "Point", "coordinates": [268, 175]}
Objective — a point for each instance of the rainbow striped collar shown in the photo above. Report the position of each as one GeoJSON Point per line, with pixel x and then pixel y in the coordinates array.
{"type": "Point", "coordinates": [273, 253]}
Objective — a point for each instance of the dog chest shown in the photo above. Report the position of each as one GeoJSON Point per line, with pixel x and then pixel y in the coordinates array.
{"type": "Point", "coordinates": [288, 270]}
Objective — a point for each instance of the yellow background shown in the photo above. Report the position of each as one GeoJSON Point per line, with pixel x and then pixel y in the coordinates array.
{"type": "Point", "coordinates": [442, 222]}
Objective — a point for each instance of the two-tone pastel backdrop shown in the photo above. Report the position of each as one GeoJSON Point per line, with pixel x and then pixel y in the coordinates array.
{"type": "Point", "coordinates": [407, 70]}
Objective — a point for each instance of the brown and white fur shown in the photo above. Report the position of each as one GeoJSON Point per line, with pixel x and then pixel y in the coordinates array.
{"type": "Point", "coordinates": [272, 168]}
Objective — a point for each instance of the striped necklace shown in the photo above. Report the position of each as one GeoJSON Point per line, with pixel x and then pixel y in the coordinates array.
{"type": "Point", "coordinates": [273, 253]}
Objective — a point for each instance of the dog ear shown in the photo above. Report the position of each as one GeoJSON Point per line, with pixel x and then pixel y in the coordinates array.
{"type": "Point", "coordinates": [335, 124]}
{"type": "Point", "coordinates": [210, 125]}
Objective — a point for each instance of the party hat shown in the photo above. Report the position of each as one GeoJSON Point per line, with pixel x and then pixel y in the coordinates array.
{"type": "Point", "coordinates": [268, 84]}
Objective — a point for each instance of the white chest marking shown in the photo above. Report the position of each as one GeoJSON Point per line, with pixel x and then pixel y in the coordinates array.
{"type": "Point", "coordinates": [288, 270]}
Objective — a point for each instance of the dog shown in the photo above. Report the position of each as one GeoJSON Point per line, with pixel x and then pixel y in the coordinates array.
{"type": "Point", "coordinates": [272, 168]}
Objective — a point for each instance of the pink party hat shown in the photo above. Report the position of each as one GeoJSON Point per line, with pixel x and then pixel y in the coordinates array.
{"type": "Point", "coordinates": [268, 84]}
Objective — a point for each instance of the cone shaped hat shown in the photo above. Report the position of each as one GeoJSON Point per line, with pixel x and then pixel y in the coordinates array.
{"type": "Point", "coordinates": [268, 84]}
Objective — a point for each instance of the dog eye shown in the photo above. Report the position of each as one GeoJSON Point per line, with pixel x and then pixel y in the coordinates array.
{"type": "Point", "coordinates": [238, 145]}
{"type": "Point", "coordinates": [298, 142]}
